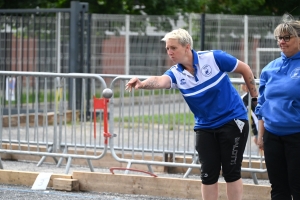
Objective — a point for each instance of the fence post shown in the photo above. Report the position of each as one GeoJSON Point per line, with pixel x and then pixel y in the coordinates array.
{"type": "Point", "coordinates": [202, 45]}
{"type": "Point", "coordinates": [246, 31]}
{"type": "Point", "coordinates": [76, 55]}
{"type": "Point", "coordinates": [89, 24]}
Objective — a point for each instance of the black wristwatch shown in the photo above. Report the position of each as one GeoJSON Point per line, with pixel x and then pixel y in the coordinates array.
{"type": "Point", "coordinates": [254, 99]}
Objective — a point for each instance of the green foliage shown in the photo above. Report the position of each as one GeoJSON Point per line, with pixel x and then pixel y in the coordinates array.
{"type": "Point", "coordinates": [17, 4]}
{"type": "Point", "coordinates": [137, 93]}
{"type": "Point", "coordinates": [179, 118]}
{"type": "Point", "coordinates": [30, 98]}
{"type": "Point", "coordinates": [169, 7]}
{"type": "Point", "coordinates": [253, 7]}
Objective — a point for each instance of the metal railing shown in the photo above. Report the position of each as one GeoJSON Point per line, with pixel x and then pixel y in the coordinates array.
{"type": "Point", "coordinates": [56, 132]}
{"type": "Point", "coordinates": [157, 123]}
{"type": "Point", "coordinates": [148, 127]}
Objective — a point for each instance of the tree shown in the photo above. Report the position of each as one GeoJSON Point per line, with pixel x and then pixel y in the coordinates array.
{"type": "Point", "coordinates": [254, 7]}
{"type": "Point", "coordinates": [169, 7]}
{"type": "Point", "coordinates": [140, 7]}
{"type": "Point", "coordinates": [277, 7]}
{"type": "Point", "coordinates": [17, 4]}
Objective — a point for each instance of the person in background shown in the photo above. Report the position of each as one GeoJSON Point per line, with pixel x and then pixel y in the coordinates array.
{"type": "Point", "coordinates": [254, 120]}
{"type": "Point", "coordinates": [278, 111]}
{"type": "Point", "coordinates": [221, 121]}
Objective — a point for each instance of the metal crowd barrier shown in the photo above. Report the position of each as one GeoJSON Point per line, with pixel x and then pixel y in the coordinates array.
{"type": "Point", "coordinates": [153, 127]}
{"type": "Point", "coordinates": [68, 130]}
{"type": "Point", "coordinates": [148, 128]}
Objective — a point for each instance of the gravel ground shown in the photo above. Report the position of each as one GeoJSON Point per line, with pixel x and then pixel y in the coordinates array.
{"type": "Point", "coordinates": [14, 192]}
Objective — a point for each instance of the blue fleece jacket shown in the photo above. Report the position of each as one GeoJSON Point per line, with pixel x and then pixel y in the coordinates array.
{"type": "Point", "coordinates": [279, 95]}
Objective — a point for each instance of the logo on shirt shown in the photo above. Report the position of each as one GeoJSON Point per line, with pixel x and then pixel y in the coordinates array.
{"type": "Point", "coordinates": [206, 70]}
{"type": "Point", "coordinates": [182, 81]}
{"type": "Point", "coordinates": [295, 73]}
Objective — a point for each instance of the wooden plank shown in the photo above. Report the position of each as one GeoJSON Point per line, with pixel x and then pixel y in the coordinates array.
{"type": "Point", "coordinates": [54, 176]}
{"type": "Point", "coordinates": [23, 119]}
{"type": "Point", "coordinates": [5, 156]}
{"type": "Point", "coordinates": [133, 184]}
{"type": "Point", "coordinates": [66, 184]}
{"type": "Point", "coordinates": [160, 186]}
{"type": "Point", "coordinates": [25, 178]}
{"type": "Point", "coordinates": [17, 177]}
{"type": "Point", "coordinates": [256, 192]}
{"type": "Point", "coordinates": [5, 176]}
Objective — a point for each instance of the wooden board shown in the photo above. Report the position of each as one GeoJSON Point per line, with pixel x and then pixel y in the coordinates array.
{"type": "Point", "coordinates": [159, 186]}
{"type": "Point", "coordinates": [25, 178]}
{"type": "Point", "coordinates": [131, 184]}
{"type": "Point", "coordinates": [66, 184]}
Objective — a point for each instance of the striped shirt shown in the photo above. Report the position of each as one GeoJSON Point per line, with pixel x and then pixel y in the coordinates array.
{"type": "Point", "coordinates": [209, 94]}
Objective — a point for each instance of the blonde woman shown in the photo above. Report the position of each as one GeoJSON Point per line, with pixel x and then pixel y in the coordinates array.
{"type": "Point", "coordinates": [221, 123]}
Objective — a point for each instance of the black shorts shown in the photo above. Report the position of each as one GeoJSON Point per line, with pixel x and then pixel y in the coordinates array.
{"type": "Point", "coordinates": [221, 147]}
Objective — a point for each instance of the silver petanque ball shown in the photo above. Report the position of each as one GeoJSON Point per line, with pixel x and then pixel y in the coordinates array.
{"type": "Point", "coordinates": [107, 93]}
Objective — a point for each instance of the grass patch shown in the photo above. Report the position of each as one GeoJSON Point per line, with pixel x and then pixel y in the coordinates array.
{"type": "Point", "coordinates": [177, 118]}
{"type": "Point", "coordinates": [30, 98]}
{"type": "Point", "coordinates": [118, 93]}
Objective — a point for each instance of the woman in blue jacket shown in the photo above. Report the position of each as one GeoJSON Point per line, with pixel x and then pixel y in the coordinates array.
{"type": "Point", "coordinates": [278, 111]}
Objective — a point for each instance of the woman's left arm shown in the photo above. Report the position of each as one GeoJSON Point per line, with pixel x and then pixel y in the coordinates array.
{"type": "Point", "coordinates": [245, 70]}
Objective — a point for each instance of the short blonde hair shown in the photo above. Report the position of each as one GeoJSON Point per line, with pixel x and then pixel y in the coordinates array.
{"type": "Point", "coordinates": [288, 25]}
{"type": "Point", "coordinates": [183, 37]}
